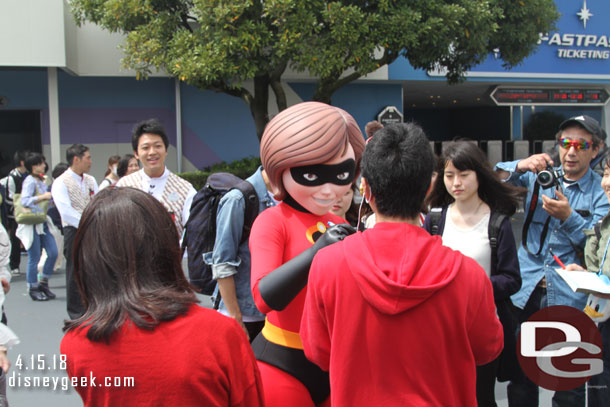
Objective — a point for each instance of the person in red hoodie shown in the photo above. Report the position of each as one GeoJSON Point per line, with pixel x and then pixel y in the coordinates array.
{"type": "Point", "coordinates": [394, 316]}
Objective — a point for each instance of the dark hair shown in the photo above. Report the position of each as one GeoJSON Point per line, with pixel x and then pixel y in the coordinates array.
{"type": "Point", "coordinates": [150, 126]}
{"type": "Point", "coordinates": [59, 169]}
{"type": "Point", "coordinates": [123, 165]}
{"type": "Point", "coordinates": [114, 159]}
{"type": "Point", "coordinates": [19, 156]}
{"type": "Point", "coordinates": [133, 272]}
{"type": "Point", "coordinates": [397, 164]}
{"type": "Point", "coordinates": [33, 159]}
{"type": "Point", "coordinates": [465, 155]}
{"type": "Point", "coordinates": [75, 150]}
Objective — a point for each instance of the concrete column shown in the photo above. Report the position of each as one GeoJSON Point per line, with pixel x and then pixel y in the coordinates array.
{"type": "Point", "coordinates": [606, 119]}
{"type": "Point", "coordinates": [53, 116]}
{"type": "Point", "coordinates": [516, 121]}
{"type": "Point", "coordinates": [178, 124]}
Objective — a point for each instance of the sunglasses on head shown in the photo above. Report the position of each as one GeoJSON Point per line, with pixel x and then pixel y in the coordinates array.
{"type": "Point", "coordinates": [577, 144]}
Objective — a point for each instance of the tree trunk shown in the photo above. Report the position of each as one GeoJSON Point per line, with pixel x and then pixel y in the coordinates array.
{"type": "Point", "coordinates": [280, 95]}
{"type": "Point", "coordinates": [322, 95]}
{"type": "Point", "coordinates": [259, 106]}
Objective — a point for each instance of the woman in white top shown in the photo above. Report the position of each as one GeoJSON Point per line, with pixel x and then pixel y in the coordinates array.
{"type": "Point", "coordinates": [110, 177]}
{"type": "Point", "coordinates": [34, 191]}
{"type": "Point", "coordinates": [468, 195]}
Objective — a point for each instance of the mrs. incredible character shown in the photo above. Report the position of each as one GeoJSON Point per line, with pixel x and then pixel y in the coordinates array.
{"type": "Point", "coordinates": [311, 153]}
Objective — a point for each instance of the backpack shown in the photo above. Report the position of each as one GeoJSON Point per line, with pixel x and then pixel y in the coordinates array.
{"type": "Point", "coordinates": [6, 204]}
{"type": "Point", "coordinates": [493, 229]}
{"type": "Point", "coordinates": [200, 229]}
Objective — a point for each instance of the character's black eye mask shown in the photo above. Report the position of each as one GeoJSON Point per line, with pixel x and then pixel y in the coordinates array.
{"type": "Point", "coordinates": [320, 174]}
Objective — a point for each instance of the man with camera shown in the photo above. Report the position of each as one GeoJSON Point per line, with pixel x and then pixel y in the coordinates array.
{"type": "Point", "coordinates": [561, 202]}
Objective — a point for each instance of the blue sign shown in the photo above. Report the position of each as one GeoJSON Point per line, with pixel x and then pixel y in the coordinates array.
{"type": "Point", "coordinates": [579, 49]}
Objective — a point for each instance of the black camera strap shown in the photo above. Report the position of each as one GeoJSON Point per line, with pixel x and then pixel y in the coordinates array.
{"type": "Point", "coordinates": [528, 220]}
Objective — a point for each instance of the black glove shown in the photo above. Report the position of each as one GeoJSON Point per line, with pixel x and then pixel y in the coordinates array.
{"type": "Point", "coordinates": [333, 234]}
{"type": "Point", "coordinates": [279, 287]}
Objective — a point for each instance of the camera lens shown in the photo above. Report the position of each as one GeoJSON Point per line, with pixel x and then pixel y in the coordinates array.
{"type": "Point", "coordinates": [545, 178]}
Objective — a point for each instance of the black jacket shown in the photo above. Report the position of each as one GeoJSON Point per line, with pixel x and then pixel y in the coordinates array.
{"type": "Point", "coordinates": [506, 281]}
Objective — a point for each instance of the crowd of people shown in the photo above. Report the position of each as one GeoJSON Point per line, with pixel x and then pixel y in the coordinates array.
{"type": "Point", "coordinates": [375, 272]}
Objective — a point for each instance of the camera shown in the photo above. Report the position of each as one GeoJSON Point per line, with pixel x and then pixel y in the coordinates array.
{"type": "Point", "coordinates": [550, 177]}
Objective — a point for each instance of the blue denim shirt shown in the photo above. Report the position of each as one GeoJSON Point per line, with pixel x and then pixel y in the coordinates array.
{"type": "Point", "coordinates": [229, 258]}
{"type": "Point", "coordinates": [31, 188]}
{"type": "Point", "coordinates": [585, 194]}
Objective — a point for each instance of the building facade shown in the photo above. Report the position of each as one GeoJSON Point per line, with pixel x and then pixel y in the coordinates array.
{"type": "Point", "coordinates": [61, 84]}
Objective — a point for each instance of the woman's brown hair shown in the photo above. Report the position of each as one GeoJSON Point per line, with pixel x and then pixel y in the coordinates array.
{"type": "Point", "coordinates": [127, 264]}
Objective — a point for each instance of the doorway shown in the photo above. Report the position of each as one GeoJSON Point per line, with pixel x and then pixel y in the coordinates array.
{"type": "Point", "coordinates": [19, 130]}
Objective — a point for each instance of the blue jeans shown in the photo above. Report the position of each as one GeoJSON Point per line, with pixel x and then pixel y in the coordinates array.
{"type": "Point", "coordinates": [39, 241]}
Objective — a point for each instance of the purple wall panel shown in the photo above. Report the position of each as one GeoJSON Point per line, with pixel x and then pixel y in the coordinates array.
{"type": "Point", "coordinates": [197, 152]}
{"type": "Point", "coordinates": [93, 126]}
{"type": "Point", "coordinates": [89, 126]}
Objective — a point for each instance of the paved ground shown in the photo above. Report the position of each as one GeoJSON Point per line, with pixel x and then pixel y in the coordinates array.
{"type": "Point", "coordinates": [39, 324]}
{"type": "Point", "coordinates": [39, 327]}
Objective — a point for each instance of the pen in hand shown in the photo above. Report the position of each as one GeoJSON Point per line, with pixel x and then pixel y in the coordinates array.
{"type": "Point", "coordinates": [563, 266]}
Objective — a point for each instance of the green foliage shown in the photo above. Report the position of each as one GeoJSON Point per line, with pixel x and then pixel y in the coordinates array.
{"type": "Point", "coordinates": [242, 168]}
{"type": "Point", "coordinates": [219, 44]}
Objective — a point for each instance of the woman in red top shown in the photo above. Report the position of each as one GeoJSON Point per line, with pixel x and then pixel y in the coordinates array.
{"type": "Point", "coordinates": [311, 153]}
{"type": "Point", "coordinates": [143, 338]}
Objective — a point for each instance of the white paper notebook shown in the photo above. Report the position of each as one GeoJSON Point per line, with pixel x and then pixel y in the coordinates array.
{"type": "Point", "coordinates": [584, 281]}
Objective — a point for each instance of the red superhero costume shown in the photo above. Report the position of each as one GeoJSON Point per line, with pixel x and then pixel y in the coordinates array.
{"type": "Point", "coordinates": [278, 235]}
{"type": "Point", "coordinates": [311, 154]}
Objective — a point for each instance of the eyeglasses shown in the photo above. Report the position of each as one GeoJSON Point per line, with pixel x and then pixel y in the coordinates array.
{"type": "Point", "coordinates": [577, 144]}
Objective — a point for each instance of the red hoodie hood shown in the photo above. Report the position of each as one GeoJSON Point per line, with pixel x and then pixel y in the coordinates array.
{"type": "Point", "coordinates": [398, 266]}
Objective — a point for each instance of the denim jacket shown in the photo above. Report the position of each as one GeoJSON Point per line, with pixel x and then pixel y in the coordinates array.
{"type": "Point", "coordinates": [31, 188]}
{"type": "Point", "coordinates": [589, 204]}
{"type": "Point", "coordinates": [229, 258]}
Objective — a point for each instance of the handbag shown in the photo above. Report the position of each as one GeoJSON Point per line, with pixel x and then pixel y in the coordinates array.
{"type": "Point", "coordinates": [30, 216]}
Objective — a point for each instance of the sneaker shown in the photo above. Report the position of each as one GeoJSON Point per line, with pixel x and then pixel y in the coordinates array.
{"type": "Point", "coordinates": [16, 272]}
{"type": "Point", "coordinates": [37, 294]}
{"type": "Point", "coordinates": [44, 288]}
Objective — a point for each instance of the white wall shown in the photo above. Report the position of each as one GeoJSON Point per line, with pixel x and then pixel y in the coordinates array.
{"type": "Point", "coordinates": [97, 53]}
{"type": "Point", "coordinates": [43, 33]}
{"type": "Point", "coordinates": [32, 33]}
